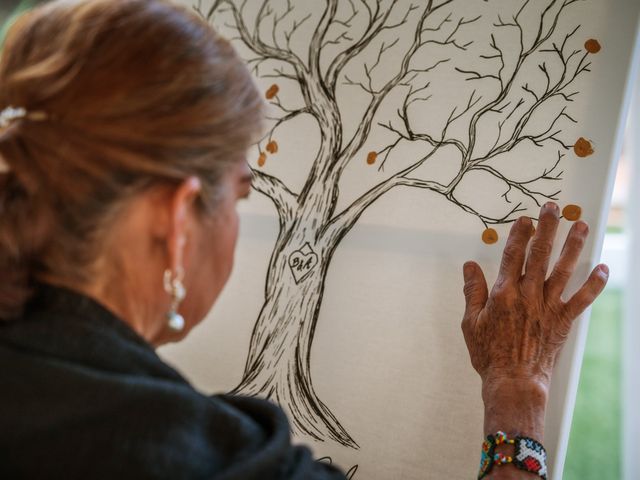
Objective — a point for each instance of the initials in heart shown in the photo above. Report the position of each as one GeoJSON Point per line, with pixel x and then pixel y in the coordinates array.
{"type": "Point", "coordinates": [302, 262]}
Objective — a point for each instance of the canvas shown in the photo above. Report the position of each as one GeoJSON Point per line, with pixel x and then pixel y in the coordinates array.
{"type": "Point", "coordinates": [402, 140]}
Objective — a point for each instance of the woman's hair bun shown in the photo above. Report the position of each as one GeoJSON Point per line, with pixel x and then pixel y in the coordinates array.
{"type": "Point", "coordinates": [135, 92]}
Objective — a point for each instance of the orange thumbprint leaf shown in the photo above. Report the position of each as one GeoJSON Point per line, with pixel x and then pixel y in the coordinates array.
{"type": "Point", "coordinates": [592, 46]}
{"type": "Point", "coordinates": [490, 236]}
{"type": "Point", "coordinates": [572, 212]}
{"type": "Point", "coordinates": [583, 148]}
{"type": "Point", "coordinates": [272, 91]}
{"type": "Point", "coordinates": [262, 159]}
{"type": "Point", "coordinates": [272, 147]}
{"type": "Point", "coordinates": [371, 158]}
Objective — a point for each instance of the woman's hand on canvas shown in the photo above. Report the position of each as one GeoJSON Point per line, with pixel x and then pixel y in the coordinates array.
{"type": "Point", "coordinates": [518, 329]}
{"type": "Point", "coordinates": [515, 332]}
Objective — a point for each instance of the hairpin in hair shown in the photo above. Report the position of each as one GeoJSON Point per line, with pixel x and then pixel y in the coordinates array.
{"type": "Point", "coordinates": [11, 114]}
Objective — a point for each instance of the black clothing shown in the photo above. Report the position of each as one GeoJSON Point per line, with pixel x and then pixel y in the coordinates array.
{"type": "Point", "coordinates": [82, 396]}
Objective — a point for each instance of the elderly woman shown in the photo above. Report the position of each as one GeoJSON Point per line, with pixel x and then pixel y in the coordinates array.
{"type": "Point", "coordinates": [124, 128]}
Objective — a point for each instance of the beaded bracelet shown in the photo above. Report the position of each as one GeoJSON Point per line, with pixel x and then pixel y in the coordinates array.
{"type": "Point", "coordinates": [529, 456]}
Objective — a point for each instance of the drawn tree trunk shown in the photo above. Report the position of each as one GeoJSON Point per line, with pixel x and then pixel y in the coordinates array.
{"type": "Point", "coordinates": [311, 228]}
{"type": "Point", "coordinates": [278, 365]}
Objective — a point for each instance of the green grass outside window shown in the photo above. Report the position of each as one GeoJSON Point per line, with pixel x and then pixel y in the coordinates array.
{"type": "Point", "coordinates": [595, 440]}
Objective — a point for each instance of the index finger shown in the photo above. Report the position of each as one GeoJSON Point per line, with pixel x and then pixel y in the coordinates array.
{"type": "Point", "coordinates": [515, 250]}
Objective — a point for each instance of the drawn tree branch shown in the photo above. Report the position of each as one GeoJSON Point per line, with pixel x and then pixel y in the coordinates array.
{"type": "Point", "coordinates": [387, 41]}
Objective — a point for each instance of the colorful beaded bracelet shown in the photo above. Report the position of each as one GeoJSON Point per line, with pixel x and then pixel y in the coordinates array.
{"type": "Point", "coordinates": [529, 456]}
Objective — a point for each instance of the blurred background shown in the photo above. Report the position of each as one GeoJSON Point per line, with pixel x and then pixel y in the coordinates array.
{"type": "Point", "coordinates": [10, 8]}
{"type": "Point", "coordinates": [605, 435]}
{"type": "Point", "coordinates": [606, 421]}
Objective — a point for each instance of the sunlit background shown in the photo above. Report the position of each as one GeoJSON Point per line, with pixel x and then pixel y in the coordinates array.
{"type": "Point", "coordinates": [606, 422]}
{"type": "Point", "coordinates": [595, 441]}
{"type": "Point", "coordinates": [605, 436]}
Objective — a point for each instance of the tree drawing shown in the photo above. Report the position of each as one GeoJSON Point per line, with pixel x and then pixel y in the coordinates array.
{"type": "Point", "coordinates": [519, 91]}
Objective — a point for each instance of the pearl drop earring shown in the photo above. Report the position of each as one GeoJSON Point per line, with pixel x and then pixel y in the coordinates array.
{"type": "Point", "coordinates": [174, 287]}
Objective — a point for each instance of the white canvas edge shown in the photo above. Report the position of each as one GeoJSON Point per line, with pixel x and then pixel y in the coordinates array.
{"type": "Point", "coordinates": [631, 329]}
{"type": "Point", "coordinates": [582, 324]}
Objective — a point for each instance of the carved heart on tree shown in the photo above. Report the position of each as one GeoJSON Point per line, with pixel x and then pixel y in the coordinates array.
{"type": "Point", "coordinates": [302, 262]}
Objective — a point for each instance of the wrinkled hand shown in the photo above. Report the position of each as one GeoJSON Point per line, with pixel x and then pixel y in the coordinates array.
{"type": "Point", "coordinates": [517, 331]}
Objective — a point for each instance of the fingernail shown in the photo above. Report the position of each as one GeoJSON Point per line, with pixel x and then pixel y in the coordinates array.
{"type": "Point", "coordinates": [551, 206]}
{"type": "Point", "coordinates": [581, 227]}
{"type": "Point", "coordinates": [467, 271]}
{"type": "Point", "coordinates": [603, 270]}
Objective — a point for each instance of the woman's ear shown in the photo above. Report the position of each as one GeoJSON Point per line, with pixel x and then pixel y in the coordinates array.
{"type": "Point", "coordinates": [181, 203]}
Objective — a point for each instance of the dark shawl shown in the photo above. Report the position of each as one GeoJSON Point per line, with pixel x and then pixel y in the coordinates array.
{"type": "Point", "coordinates": [82, 396]}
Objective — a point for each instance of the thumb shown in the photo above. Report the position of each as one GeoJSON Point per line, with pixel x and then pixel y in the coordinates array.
{"type": "Point", "coordinates": [476, 292]}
